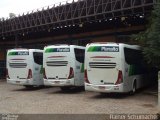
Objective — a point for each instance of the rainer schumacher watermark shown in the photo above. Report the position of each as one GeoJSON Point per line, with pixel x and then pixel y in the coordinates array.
{"type": "Point", "coordinates": [133, 116]}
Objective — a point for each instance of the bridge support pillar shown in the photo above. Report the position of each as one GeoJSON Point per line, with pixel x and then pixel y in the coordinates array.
{"type": "Point", "coordinates": [159, 92]}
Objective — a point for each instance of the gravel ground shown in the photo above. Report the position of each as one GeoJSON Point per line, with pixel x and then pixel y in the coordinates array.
{"type": "Point", "coordinates": [17, 99]}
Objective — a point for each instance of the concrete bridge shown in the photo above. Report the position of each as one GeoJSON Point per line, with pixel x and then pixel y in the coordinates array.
{"type": "Point", "coordinates": [77, 20]}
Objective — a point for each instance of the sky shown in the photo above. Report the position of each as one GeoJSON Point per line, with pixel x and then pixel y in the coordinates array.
{"type": "Point", "coordinates": [20, 6]}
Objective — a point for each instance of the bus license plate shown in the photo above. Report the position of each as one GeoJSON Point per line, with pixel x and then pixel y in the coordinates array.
{"type": "Point", "coordinates": [57, 82]}
{"type": "Point", "coordinates": [101, 87]}
{"type": "Point", "coordinates": [17, 81]}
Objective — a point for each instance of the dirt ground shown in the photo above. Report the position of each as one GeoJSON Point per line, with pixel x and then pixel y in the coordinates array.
{"type": "Point", "coordinates": [51, 100]}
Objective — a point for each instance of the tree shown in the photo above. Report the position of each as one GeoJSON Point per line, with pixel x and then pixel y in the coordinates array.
{"type": "Point", "coordinates": [150, 41]}
{"type": "Point", "coordinates": [150, 38]}
{"type": "Point", "coordinates": [12, 15]}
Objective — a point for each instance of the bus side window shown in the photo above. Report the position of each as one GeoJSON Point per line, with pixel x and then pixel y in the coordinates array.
{"type": "Point", "coordinates": [134, 57]}
{"type": "Point", "coordinates": [38, 57]}
{"type": "Point", "coordinates": [79, 54]}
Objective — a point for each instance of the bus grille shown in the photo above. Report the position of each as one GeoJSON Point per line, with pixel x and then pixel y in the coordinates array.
{"type": "Point", "coordinates": [57, 63]}
{"type": "Point", "coordinates": [18, 65]}
{"type": "Point", "coordinates": [102, 65]}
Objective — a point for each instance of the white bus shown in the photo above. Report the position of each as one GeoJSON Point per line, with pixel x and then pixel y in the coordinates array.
{"type": "Point", "coordinates": [64, 66]}
{"type": "Point", "coordinates": [113, 67]}
{"type": "Point", "coordinates": [24, 67]}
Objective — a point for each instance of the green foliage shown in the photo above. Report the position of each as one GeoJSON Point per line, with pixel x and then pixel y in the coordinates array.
{"type": "Point", "coordinates": [150, 38]}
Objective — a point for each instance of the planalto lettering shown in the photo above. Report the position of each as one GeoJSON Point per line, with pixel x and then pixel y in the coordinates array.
{"type": "Point", "coordinates": [63, 50]}
{"type": "Point", "coordinates": [110, 49]}
{"type": "Point", "coordinates": [23, 53]}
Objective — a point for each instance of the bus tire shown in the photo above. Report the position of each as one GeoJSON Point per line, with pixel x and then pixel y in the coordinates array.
{"type": "Point", "coordinates": [134, 88]}
{"type": "Point", "coordinates": [65, 88]}
{"type": "Point", "coordinates": [28, 86]}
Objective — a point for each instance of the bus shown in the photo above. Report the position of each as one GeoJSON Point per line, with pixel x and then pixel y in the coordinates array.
{"type": "Point", "coordinates": [24, 67]}
{"type": "Point", "coordinates": [114, 68]}
{"type": "Point", "coordinates": [64, 66]}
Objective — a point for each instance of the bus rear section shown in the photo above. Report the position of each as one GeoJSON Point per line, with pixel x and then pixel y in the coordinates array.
{"type": "Point", "coordinates": [21, 68]}
{"type": "Point", "coordinates": [61, 67]}
{"type": "Point", "coordinates": [103, 68]}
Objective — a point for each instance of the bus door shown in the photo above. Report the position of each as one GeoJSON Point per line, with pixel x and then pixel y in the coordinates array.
{"type": "Point", "coordinates": [79, 63]}
{"type": "Point", "coordinates": [37, 65]}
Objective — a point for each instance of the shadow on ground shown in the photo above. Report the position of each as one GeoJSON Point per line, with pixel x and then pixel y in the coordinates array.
{"type": "Point", "coordinates": [31, 89]}
{"type": "Point", "coordinates": [110, 95]}
{"type": "Point", "coordinates": [73, 90]}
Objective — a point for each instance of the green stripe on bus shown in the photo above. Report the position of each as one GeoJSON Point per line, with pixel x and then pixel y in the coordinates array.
{"type": "Point", "coordinates": [41, 70]}
{"type": "Point", "coordinates": [12, 53]}
{"type": "Point", "coordinates": [50, 50]}
{"type": "Point", "coordinates": [82, 68]}
{"type": "Point", "coordinates": [132, 70]}
{"type": "Point", "coordinates": [92, 48]}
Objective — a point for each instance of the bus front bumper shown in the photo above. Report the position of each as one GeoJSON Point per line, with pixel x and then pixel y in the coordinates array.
{"type": "Point", "coordinates": [20, 82]}
{"type": "Point", "coordinates": [105, 88]}
{"type": "Point", "coordinates": [67, 82]}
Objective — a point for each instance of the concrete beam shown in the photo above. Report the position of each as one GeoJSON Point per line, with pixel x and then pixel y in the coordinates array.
{"type": "Point", "coordinates": [108, 32]}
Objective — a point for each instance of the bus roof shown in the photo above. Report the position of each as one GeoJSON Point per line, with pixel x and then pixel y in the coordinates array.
{"type": "Point", "coordinates": [63, 45]}
{"type": "Point", "coordinates": [18, 49]}
{"type": "Point", "coordinates": [111, 43]}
